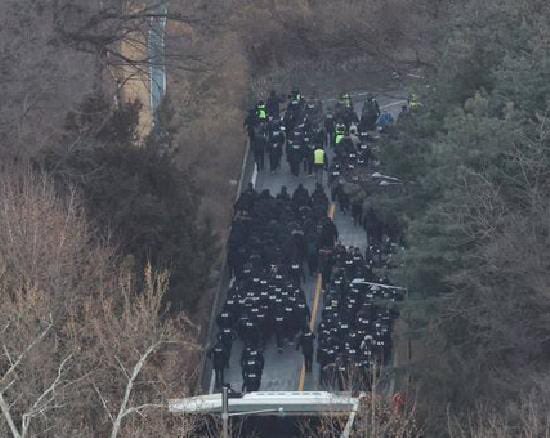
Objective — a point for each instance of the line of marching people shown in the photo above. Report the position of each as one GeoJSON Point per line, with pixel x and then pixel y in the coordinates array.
{"type": "Point", "coordinates": [274, 243]}
{"type": "Point", "coordinates": [357, 318]}
{"type": "Point", "coordinates": [354, 334]}
{"type": "Point", "coordinates": [278, 239]}
{"type": "Point", "coordinates": [274, 238]}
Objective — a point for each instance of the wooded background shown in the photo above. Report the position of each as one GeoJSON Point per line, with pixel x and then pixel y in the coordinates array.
{"type": "Point", "coordinates": [108, 236]}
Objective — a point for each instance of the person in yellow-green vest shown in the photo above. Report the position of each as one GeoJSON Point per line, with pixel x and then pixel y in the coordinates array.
{"type": "Point", "coordinates": [295, 94]}
{"type": "Point", "coordinates": [340, 134]}
{"type": "Point", "coordinates": [346, 100]}
{"type": "Point", "coordinates": [320, 163]}
{"type": "Point", "coordinates": [414, 104]}
{"type": "Point", "coordinates": [261, 111]}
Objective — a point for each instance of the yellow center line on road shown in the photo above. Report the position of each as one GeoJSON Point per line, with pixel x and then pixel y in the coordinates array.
{"type": "Point", "coordinates": [302, 378]}
{"type": "Point", "coordinates": [318, 290]}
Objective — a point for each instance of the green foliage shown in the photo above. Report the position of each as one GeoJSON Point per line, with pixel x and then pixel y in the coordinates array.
{"type": "Point", "coordinates": [138, 195]}
{"type": "Point", "coordinates": [165, 130]}
{"type": "Point", "coordinates": [475, 161]}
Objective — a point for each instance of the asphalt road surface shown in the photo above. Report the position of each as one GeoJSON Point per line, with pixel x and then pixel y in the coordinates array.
{"type": "Point", "coordinates": [284, 371]}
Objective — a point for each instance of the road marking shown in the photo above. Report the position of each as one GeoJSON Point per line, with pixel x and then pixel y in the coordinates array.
{"type": "Point", "coordinates": [399, 102]}
{"type": "Point", "coordinates": [254, 176]}
{"type": "Point", "coordinates": [302, 378]}
{"type": "Point", "coordinates": [212, 378]}
{"type": "Point", "coordinates": [318, 289]}
{"type": "Point", "coordinates": [332, 210]}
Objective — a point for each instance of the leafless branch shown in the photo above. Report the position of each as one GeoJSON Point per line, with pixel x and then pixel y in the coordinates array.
{"type": "Point", "coordinates": [103, 402]}
{"type": "Point", "coordinates": [29, 347]}
{"type": "Point", "coordinates": [139, 409]}
{"type": "Point", "coordinates": [129, 387]}
{"type": "Point", "coordinates": [45, 398]}
{"type": "Point", "coordinates": [121, 365]}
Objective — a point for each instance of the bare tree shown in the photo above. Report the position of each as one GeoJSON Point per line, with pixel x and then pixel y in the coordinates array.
{"type": "Point", "coordinates": [40, 78]}
{"type": "Point", "coordinates": [120, 35]}
{"type": "Point", "coordinates": [143, 362]}
{"type": "Point", "coordinates": [81, 348]}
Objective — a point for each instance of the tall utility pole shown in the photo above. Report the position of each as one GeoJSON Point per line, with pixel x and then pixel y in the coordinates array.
{"type": "Point", "coordinates": [157, 67]}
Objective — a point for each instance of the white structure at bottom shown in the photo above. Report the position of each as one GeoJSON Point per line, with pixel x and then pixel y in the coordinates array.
{"type": "Point", "coordinates": [274, 403]}
{"type": "Point", "coordinates": [269, 403]}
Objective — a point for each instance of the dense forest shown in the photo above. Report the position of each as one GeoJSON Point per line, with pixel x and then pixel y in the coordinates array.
{"type": "Point", "coordinates": [474, 208]}
{"type": "Point", "coordinates": [110, 242]}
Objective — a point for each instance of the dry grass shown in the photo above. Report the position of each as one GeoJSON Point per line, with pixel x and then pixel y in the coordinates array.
{"type": "Point", "coordinates": [211, 110]}
{"type": "Point", "coordinates": [74, 327]}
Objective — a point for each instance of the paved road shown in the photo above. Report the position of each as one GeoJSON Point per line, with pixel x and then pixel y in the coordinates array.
{"type": "Point", "coordinates": [284, 371]}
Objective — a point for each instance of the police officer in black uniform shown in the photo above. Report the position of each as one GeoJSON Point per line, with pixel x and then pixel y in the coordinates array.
{"type": "Point", "coordinates": [279, 324]}
{"type": "Point", "coordinates": [252, 363]}
{"type": "Point", "coordinates": [330, 126]}
{"type": "Point", "coordinates": [251, 381]}
{"type": "Point", "coordinates": [260, 146]}
{"type": "Point", "coordinates": [306, 342]}
{"type": "Point", "coordinates": [218, 355]}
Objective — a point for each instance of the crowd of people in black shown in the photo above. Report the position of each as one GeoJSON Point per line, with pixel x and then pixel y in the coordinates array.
{"type": "Point", "coordinates": [277, 240]}
{"type": "Point", "coordinates": [357, 317]}
{"type": "Point", "coordinates": [273, 240]}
